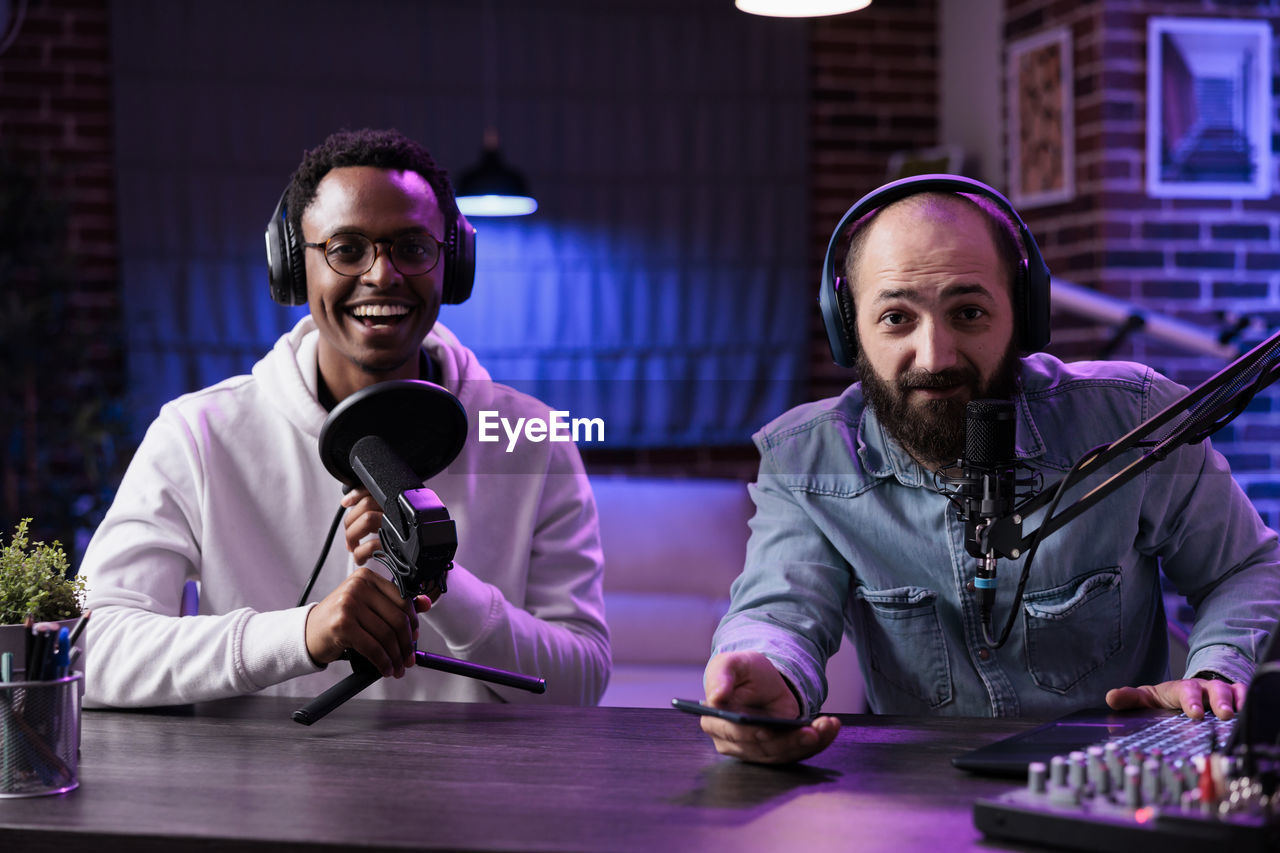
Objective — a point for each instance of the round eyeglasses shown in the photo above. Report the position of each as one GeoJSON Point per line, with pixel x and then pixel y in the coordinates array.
{"type": "Point", "coordinates": [353, 254]}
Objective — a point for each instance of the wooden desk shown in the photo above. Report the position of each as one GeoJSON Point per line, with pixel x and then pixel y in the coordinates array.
{"type": "Point", "coordinates": [240, 775]}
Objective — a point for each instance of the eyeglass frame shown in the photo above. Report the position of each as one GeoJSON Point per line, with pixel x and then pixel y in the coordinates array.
{"type": "Point", "coordinates": [390, 241]}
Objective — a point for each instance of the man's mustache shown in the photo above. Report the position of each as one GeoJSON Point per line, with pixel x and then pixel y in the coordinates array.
{"type": "Point", "coordinates": [916, 379]}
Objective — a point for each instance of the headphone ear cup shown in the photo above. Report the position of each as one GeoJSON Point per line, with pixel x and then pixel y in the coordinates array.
{"type": "Point", "coordinates": [286, 266]}
{"type": "Point", "coordinates": [848, 320]}
{"type": "Point", "coordinates": [836, 306]}
{"type": "Point", "coordinates": [460, 262]}
{"type": "Point", "coordinates": [1039, 304]}
{"type": "Point", "coordinates": [297, 262]}
{"type": "Point", "coordinates": [1022, 306]}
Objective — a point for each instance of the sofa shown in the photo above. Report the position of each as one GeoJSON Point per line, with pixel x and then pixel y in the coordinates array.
{"type": "Point", "coordinates": [672, 546]}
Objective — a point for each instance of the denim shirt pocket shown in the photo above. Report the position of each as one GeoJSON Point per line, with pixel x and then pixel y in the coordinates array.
{"type": "Point", "coordinates": [904, 642]}
{"type": "Point", "coordinates": [1072, 629]}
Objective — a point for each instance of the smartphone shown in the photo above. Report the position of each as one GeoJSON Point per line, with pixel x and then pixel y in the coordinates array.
{"type": "Point", "coordinates": [691, 707]}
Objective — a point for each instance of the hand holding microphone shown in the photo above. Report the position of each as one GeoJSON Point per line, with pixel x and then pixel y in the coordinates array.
{"type": "Point", "coordinates": [366, 615]}
{"type": "Point", "coordinates": [361, 524]}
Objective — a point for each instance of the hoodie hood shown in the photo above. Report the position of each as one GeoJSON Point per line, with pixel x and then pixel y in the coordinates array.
{"type": "Point", "coordinates": [288, 374]}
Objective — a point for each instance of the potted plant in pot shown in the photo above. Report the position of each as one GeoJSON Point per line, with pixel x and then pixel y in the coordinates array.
{"type": "Point", "coordinates": [34, 580]}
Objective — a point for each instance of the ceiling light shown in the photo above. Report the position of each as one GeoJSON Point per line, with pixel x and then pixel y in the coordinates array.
{"type": "Point", "coordinates": [800, 8]}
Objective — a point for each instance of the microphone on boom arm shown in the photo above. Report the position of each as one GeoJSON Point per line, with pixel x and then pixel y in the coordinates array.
{"type": "Point", "coordinates": [987, 489]}
{"type": "Point", "coordinates": [390, 437]}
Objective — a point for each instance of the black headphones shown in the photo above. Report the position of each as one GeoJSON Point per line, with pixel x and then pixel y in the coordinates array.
{"type": "Point", "coordinates": [1031, 285]}
{"type": "Point", "coordinates": [287, 267]}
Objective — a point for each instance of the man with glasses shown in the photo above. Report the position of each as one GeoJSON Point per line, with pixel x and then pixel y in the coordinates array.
{"type": "Point", "coordinates": [228, 486]}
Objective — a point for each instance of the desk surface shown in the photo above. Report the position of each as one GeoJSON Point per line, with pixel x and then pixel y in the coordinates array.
{"type": "Point", "coordinates": [240, 775]}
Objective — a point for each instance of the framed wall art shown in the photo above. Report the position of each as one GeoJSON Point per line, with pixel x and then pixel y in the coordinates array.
{"type": "Point", "coordinates": [1041, 126]}
{"type": "Point", "coordinates": [1208, 108]}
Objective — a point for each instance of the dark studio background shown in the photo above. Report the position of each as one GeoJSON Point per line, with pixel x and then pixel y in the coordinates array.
{"type": "Point", "coordinates": [689, 161]}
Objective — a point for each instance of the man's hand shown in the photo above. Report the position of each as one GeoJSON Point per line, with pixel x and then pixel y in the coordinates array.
{"type": "Point", "coordinates": [747, 681]}
{"type": "Point", "coordinates": [366, 613]}
{"type": "Point", "coordinates": [364, 517]}
{"type": "Point", "coordinates": [1190, 695]}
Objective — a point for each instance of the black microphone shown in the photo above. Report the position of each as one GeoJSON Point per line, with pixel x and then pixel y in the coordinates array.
{"type": "Point", "coordinates": [988, 486]}
{"type": "Point", "coordinates": [390, 437]}
{"type": "Point", "coordinates": [418, 537]}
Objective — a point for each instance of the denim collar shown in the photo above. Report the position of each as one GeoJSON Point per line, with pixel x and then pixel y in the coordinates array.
{"type": "Point", "coordinates": [883, 456]}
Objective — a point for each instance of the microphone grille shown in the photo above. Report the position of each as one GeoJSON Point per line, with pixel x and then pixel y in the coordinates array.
{"type": "Point", "coordinates": [989, 427]}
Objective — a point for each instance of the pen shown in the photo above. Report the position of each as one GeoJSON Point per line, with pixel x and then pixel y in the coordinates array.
{"type": "Point", "coordinates": [35, 660]}
{"type": "Point", "coordinates": [64, 652]}
{"type": "Point", "coordinates": [44, 648]}
{"type": "Point", "coordinates": [7, 759]}
{"type": "Point", "coordinates": [28, 643]}
{"type": "Point", "coordinates": [79, 629]}
{"type": "Point", "coordinates": [190, 599]}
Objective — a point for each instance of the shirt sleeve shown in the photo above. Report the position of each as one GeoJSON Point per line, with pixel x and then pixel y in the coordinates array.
{"type": "Point", "coordinates": [1217, 552]}
{"type": "Point", "coordinates": [138, 650]}
{"type": "Point", "coordinates": [788, 602]}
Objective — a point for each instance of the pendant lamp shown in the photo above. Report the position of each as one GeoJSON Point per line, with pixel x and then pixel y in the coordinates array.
{"type": "Point", "coordinates": [492, 187]}
{"type": "Point", "coordinates": [800, 8]}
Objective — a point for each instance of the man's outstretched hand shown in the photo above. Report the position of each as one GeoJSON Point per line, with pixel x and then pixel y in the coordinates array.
{"type": "Point", "coordinates": [1190, 695]}
{"type": "Point", "coordinates": [747, 681]}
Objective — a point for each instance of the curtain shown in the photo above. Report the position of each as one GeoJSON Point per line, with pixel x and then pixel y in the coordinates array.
{"type": "Point", "coordinates": [662, 286]}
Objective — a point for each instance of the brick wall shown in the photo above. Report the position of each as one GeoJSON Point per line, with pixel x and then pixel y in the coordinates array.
{"type": "Point", "coordinates": [1206, 262]}
{"type": "Point", "coordinates": [875, 92]}
{"type": "Point", "coordinates": [1202, 261]}
{"type": "Point", "coordinates": [55, 133]}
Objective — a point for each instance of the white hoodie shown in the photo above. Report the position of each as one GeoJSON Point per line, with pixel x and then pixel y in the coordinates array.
{"type": "Point", "coordinates": [227, 487]}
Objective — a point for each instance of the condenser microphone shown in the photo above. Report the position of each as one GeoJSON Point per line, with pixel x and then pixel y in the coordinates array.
{"type": "Point", "coordinates": [988, 486]}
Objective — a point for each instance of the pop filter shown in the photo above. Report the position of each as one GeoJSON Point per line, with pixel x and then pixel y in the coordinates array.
{"type": "Point", "coordinates": [423, 423]}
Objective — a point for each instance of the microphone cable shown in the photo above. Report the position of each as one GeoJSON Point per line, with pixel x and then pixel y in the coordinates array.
{"type": "Point", "coordinates": [324, 552]}
{"type": "Point", "coordinates": [1065, 483]}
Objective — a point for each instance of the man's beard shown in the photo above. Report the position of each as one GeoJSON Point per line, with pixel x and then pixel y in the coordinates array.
{"type": "Point", "coordinates": [932, 430]}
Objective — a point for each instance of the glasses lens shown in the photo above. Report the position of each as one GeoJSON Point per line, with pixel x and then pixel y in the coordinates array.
{"type": "Point", "coordinates": [349, 254]}
{"type": "Point", "coordinates": [414, 254]}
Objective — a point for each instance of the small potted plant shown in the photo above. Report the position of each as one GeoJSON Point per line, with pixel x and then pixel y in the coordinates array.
{"type": "Point", "coordinates": [34, 581]}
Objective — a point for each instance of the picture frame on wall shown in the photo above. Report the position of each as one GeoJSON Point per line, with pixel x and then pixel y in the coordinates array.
{"type": "Point", "coordinates": [1208, 108]}
{"type": "Point", "coordinates": [1039, 88]}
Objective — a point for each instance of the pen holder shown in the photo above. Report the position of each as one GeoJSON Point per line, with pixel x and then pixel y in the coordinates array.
{"type": "Point", "coordinates": [40, 736]}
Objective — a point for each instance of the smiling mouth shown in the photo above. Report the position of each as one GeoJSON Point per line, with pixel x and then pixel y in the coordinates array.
{"type": "Point", "coordinates": [379, 316]}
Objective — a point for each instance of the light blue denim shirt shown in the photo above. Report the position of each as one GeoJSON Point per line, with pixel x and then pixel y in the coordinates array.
{"type": "Point", "coordinates": [850, 535]}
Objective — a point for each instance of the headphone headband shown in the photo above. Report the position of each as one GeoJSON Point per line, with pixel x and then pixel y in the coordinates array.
{"type": "Point", "coordinates": [837, 302]}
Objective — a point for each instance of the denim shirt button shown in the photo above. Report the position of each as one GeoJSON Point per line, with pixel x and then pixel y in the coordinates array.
{"type": "Point", "coordinates": [969, 585]}
{"type": "Point", "coordinates": [984, 653]}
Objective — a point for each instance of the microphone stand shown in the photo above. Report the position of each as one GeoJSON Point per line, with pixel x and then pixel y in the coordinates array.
{"type": "Point", "coordinates": [419, 541]}
{"type": "Point", "coordinates": [1197, 415]}
{"type": "Point", "coordinates": [1205, 410]}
